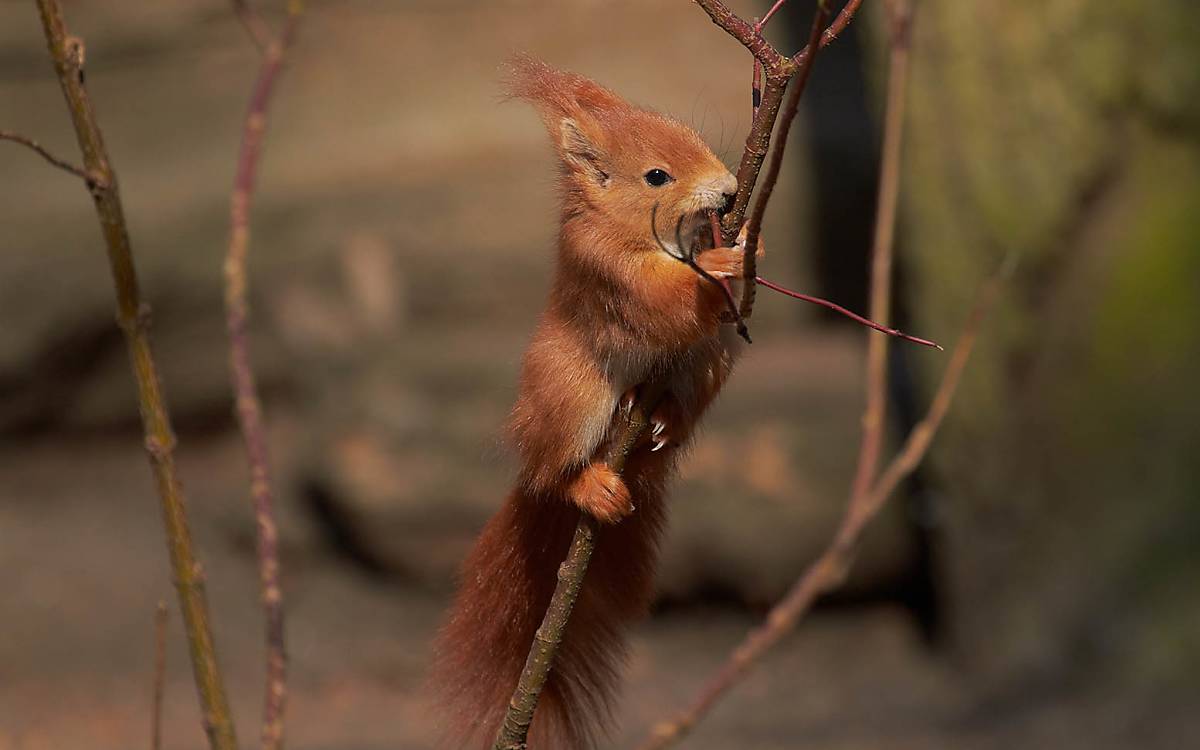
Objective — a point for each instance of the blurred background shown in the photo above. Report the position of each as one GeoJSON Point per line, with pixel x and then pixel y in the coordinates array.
{"type": "Point", "coordinates": [1035, 585]}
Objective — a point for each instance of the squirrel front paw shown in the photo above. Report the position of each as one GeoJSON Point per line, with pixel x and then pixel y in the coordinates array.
{"type": "Point", "coordinates": [740, 245]}
{"type": "Point", "coordinates": [726, 262]}
{"type": "Point", "coordinates": [600, 492]}
{"type": "Point", "coordinates": [721, 262]}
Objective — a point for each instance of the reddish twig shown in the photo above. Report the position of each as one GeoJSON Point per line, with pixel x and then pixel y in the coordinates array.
{"type": "Point", "coordinates": [745, 33]}
{"type": "Point", "coordinates": [249, 406]}
{"type": "Point", "coordinates": [853, 316]}
{"type": "Point", "coordinates": [514, 730]}
{"type": "Point", "coordinates": [836, 28]}
{"type": "Point", "coordinates": [133, 317]}
{"type": "Point", "coordinates": [160, 674]}
{"type": "Point", "coordinates": [767, 17]}
{"type": "Point", "coordinates": [830, 569]}
{"type": "Point", "coordinates": [866, 499]}
{"type": "Point", "coordinates": [882, 248]}
{"type": "Point", "coordinates": [51, 158]}
{"type": "Point", "coordinates": [254, 24]}
{"type": "Point", "coordinates": [790, 110]}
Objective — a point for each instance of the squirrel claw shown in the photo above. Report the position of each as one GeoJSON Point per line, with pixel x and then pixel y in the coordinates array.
{"type": "Point", "coordinates": [627, 399]}
{"type": "Point", "coordinates": [740, 245]}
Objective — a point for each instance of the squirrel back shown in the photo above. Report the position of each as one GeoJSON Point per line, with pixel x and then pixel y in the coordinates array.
{"type": "Point", "coordinates": [622, 312]}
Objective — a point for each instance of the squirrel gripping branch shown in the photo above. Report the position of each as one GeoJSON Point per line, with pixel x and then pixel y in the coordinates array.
{"type": "Point", "coordinates": [621, 313]}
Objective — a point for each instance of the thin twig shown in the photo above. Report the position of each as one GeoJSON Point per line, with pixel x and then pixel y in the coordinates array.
{"type": "Point", "coordinates": [160, 674]}
{"type": "Point", "coordinates": [883, 249]}
{"type": "Point", "coordinates": [790, 110]}
{"type": "Point", "coordinates": [852, 315]}
{"type": "Point", "coordinates": [249, 406]}
{"type": "Point", "coordinates": [744, 32]}
{"type": "Point", "coordinates": [829, 570]}
{"type": "Point", "coordinates": [777, 70]}
{"type": "Point", "coordinates": [514, 730]}
{"type": "Point", "coordinates": [133, 317]}
{"type": "Point", "coordinates": [254, 24]}
{"type": "Point", "coordinates": [866, 499]}
{"type": "Point", "coordinates": [836, 28]}
{"type": "Point", "coordinates": [767, 18]}
{"type": "Point", "coordinates": [63, 164]}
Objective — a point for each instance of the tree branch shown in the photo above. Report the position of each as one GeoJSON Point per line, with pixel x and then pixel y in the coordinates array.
{"type": "Point", "coordinates": [829, 570]}
{"type": "Point", "coordinates": [63, 164]}
{"type": "Point", "coordinates": [160, 674]}
{"type": "Point", "coordinates": [867, 497]}
{"type": "Point", "coordinates": [514, 730]}
{"type": "Point", "coordinates": [254, 24]}
{"type": "Point", "coordinates": [746, 33]}
{"type": "Point", "coordinates": [67, 52]}
{"type": "Point", "coordinates": [248, 405]}
{"type": "Point", "coordinates": [754, 225]}
{"type": "Point", "coordinates": [882, 250]}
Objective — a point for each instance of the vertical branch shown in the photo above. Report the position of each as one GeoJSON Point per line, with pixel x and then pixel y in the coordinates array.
{"type": "Point", "coordinates": [758, 143]}
{"type": "Point", "coordinates": [133, 317]}
{"type": "Point", "coordinates": [514, 730]}
{"type": "Point", "coordinates": [160, 674]}
{"type": "Point", "coordinates": [248, 404]}
{"type": "Point", "coordinates": [899, 32]}
{"type": "Point", "coordinates": [790, 110]}
{"type": "Point", "coordinates": [829, 570]}
{"type": "Point", "coordinates": [867, 499]}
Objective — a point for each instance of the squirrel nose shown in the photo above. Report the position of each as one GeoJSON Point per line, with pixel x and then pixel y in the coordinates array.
{"type": "Point", "coordinates": [728, 186]}
{"type": "Point", "coordinates": [728, 190]}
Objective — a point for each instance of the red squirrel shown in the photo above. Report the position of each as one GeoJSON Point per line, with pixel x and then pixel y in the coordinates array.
{"type": "Point", "coordinates": [621, 312]}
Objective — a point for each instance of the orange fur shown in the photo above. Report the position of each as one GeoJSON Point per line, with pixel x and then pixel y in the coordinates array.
{"type": "Point", "coordinates": [621, 313]}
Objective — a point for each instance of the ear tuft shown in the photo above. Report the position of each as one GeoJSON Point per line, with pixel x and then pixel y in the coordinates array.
{"type": "Point", "coordinates": [577, 111]}
{"type": "Point", "coordinates": [556, 91]}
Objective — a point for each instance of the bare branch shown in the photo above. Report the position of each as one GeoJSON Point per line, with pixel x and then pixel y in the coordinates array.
{"type": "Point", "coordinates": [835, 29]}
{"type": "Point", "coordinates": [767, 17]}
{"type": "Point", "coordinates": [747, 34]}
{"type": "Point", "coordinates": [754, 225]}
{"type": "Point", "coordinates": [160, 674]}
{"type": "Point", "coordinates": [63, 164]}
{"type": "Point", "coordinates": [254, 24]}
{"type": "Point", "coordinates": [249, 406]}
{"type": "Point", "coordinates": [514, 730]}
{"type": "Point", "coordinates": [881, 258]}
{"type": "Point", "coordinates": [67, 52]}
{"type": "Point", "coordinates": [829, 570]}
{"type": "Point", "coordinates": [853, 316]}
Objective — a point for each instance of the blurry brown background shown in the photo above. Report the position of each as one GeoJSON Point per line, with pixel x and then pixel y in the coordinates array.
{"type": "Point", "coordinates": [1035, 586]}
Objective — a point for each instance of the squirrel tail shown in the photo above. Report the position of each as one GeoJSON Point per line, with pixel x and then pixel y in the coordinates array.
{"type": "Point", "coordinates": [506, 585]}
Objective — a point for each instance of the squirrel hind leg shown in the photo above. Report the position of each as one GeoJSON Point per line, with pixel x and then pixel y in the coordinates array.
{"type": "Point", "coordinates": [600, 491]}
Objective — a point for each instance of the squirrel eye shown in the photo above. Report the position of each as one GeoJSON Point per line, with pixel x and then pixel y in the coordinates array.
{"type": "Point", "coordinates": [657, 178]}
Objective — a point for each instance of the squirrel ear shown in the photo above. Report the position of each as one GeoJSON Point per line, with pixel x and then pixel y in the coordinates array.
{"type": "Point", "coordinates": [580, 152]}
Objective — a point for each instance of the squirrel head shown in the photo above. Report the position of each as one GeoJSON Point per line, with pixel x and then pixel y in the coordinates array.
{"type": "Point", "coordinates": [624, 163]}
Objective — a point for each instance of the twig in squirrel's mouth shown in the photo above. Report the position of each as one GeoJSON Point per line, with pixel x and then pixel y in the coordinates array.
{"type": "Point", "coordinates": [688, 257]}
